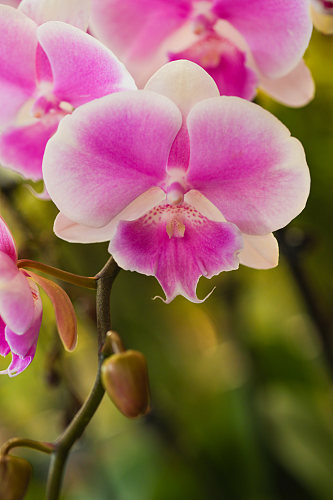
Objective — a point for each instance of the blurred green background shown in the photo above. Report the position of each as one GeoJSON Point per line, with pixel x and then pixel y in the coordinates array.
{"type": "Point", "coordinates": [241, 384]}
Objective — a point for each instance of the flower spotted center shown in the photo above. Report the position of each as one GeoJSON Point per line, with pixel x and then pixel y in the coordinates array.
{"type": "Point", "coordinates": [175, 218]}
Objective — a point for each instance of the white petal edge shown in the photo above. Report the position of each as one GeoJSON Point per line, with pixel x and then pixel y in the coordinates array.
{"type": "Point", "coordinates": [75, 12]}
{"type": "Point", "coordinates": [184, 82]}
{"type": "Point", "coordinates": [73, 232]}
{"type": "Point", "coordinates": [259, 252]}
{"type": "Point", "coordinates": [295, 89]}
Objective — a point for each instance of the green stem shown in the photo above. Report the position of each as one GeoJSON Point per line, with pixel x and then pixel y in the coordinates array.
{"type": "Point", "coordinates": [105, 279]}
{"type": "Point", "coordinates": [74, 279]}
{"type": "Point", "coordinates": [64, 443]}
{"type": "Point", "coordinates": [26, 443]}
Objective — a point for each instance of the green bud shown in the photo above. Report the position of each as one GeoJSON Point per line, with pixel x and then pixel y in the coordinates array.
{"type": "Point", "coordinates": [15, 475]}
{"type": "Point", "coordinates": [125, 378]}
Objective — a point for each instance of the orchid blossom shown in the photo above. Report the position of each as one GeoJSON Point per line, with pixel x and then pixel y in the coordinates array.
{"type": "Point", "coordinates": [242, 44]}
{"type": "Point", "coordinates": [75, 12]}
{"type": "Point", "coordinates": [21, 308]}
{"type": "Point", "coordinates": [45, 72]}
{"type": "Point", "coordinates": [183, 182]}
{"type": "Point", "coordinates": [12, 3]}
{"type": "Point", "coordinates": [322, 15]}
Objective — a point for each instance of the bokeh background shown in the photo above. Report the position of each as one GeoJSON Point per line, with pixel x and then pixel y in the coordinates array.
{"type": "Point", "coordinates": [242, 388]}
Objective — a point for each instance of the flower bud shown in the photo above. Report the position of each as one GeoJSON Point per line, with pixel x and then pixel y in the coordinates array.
{"type": "Point", "coordinates": [15, 475]}
{"type": "Point", "coordinates": [125, 378]}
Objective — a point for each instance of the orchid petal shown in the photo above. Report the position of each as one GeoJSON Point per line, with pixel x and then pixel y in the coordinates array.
{"type": "Point", "coordinates": [259, 252]}
{"type": "Point", "coordinates": [22, 345]}
{"type": "Point", "coordinates": [108, 152]}
{"type": "Point", "coordinates": [80, 233]}
{"type": "Point", "coordinates": [41, 195]}
{"type": "Point", "coordinates": [252, 171]}
{"type": "Point", "coordinates": [202, 248]}
{"type": "Point", "coordinates": [198, 201]}
{"type": "Point", "coordinates": [12, 3]}
{"type": "Point", "coordinates": [17, 61]}
{"type": "Point", "coordinates": [4, 347]}
{"type": "Point", "coordinates": [277, 32]}
{"type": "Point", "coordinates": [134, 30]}
{"type": "Point", "coordinates": [89, 69]}
{"type": "Point", "coordinates": [7, 243]}
{"type": "Point", "coordinates": [22, 147]}
{"type": "Point", "coordinates": [322, 17]}
{"type": "Point", "coordinates": [18, 365]}
{"type": "Point", "coordinates": [224, 62]}
{"type": "Point", "coordinates": [75, 12]}
{"type": "Point", "coordinates": [63, 308]}
{"type": "Point", "coordinates": [43, 68]}
{"type": "Point", "coordinates": [16, 302]}
{"type": "Point", "coordinates": [294, 89]}
{"type": "Point", "coordinates": [185, 83]}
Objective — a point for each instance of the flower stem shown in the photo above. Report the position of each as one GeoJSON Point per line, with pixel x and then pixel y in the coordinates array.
{"type": "Point", "coordinates": [323, 325]}
{"type": "Point", "coordinates": [26, 443]}
{"type": "Point", "coordinates": [74, 279]}
{"type": "Point", "coordinates": [64, 443]}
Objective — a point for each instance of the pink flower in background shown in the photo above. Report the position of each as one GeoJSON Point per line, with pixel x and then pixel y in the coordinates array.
{"type": "Point", "coordinates": [21, 308]}
{"type": "Point", "coordinates": [183, 182]}
{"type": "Point", "coordinates": [45, 72]}
{"type": "Point", "coordinates": [13, 3]}
{"type": "Point", "coordinates": [322, 15]}
{"type": "Point", "coordinates": [75, 12]}
{"type": "Point", "coordinates": [242, 44]}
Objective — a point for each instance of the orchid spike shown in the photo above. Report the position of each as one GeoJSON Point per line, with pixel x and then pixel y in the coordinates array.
{"type": "Point", "coordinates": [244, 45]}
{"type": "Point", "coordinates": [45, 72]}
{"type": "Point", "coordinates": [183, 182]}
{"type": "Point", "coordinates": [21, 308]}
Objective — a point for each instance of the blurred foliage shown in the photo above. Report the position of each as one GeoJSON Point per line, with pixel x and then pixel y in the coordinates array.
{"type": "Point", "coordinates": [241, 384]}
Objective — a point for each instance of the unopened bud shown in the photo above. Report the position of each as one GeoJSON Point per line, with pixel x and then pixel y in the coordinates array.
{"type": "Point", "coordinates": [15, 475]}
{"type": "Point", "coordinates": [125, 378]}
{"type": "Point", "coordinates": [112, 343]}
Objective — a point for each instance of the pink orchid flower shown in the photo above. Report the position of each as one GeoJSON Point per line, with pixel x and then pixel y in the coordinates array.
{"type": "Point", "coordinates": [13, 3]}
{"type": "Point", "coordinates": [75, 12]}
{"type": "Point", "coordinates": [45, 72]}
{"type": "Point", "coordinates": [21, 308]}
{"type": "Point", "coordinates": [182, 181]}
{"type": "Point", "coordinates": [242, 44]}
{"type": "Point", "coordinates": [322, 15]}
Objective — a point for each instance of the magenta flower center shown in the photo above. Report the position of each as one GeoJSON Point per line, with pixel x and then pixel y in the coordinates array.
{"type": "Point", "coordinates": [328, 4]}
{"type": "Point", "coordinates": [47, 103]}
{"type": "Point", "coordinates": [174, 218]}
{"type": "Point", "coordinates": [207, 51]}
